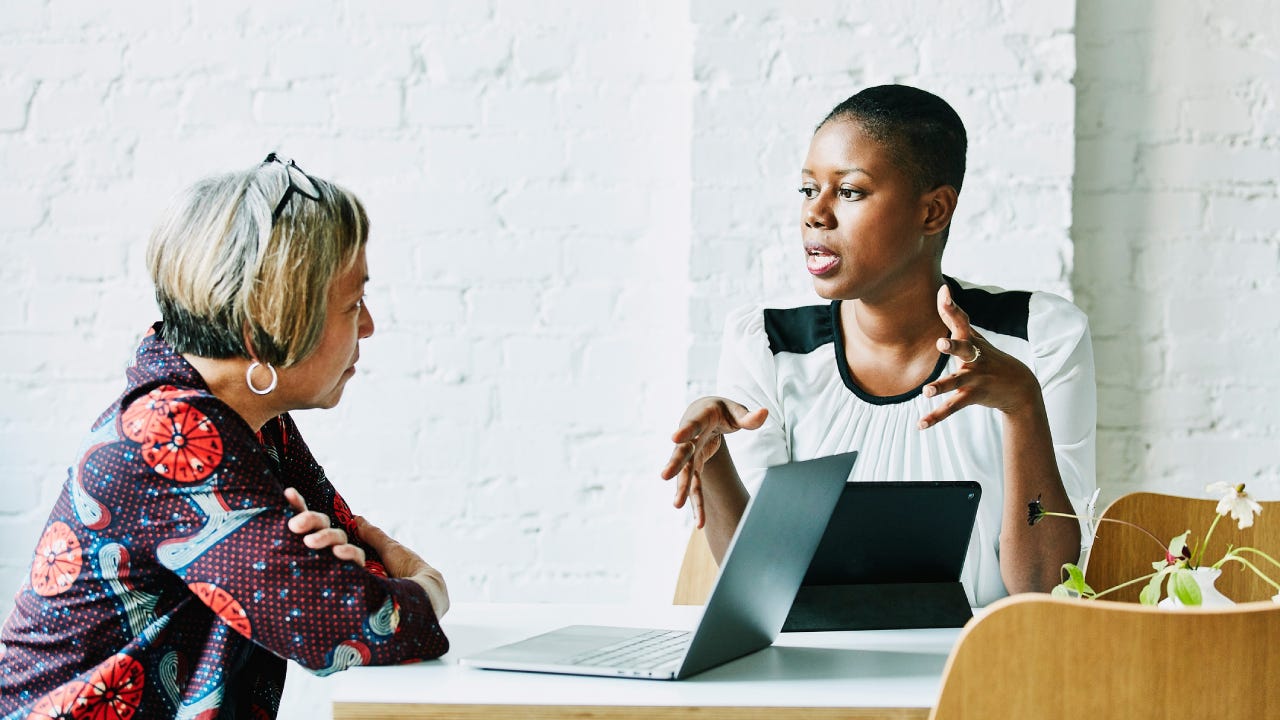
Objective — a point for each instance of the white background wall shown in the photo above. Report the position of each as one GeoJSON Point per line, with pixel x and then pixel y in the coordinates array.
{"type": "Point", "coordinates": [567, 196]}
{"type": "Point", "coordinates": [1177, 240]}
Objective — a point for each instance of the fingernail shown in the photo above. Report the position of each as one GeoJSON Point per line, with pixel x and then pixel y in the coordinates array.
{"type": "Point", "coordinates": [924, 424]}
{"type": "Point", "coordinates": [929, 391]}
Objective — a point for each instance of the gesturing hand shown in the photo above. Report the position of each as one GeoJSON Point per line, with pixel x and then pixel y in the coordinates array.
{"type": "Point", "coordinates": [401, 562]}
{"type": "Point", "coordinates": [988, 376]}
{"type": "Point", "coordinates": [314, 527]}
{"type": "Point", "coordinates": [702, 426]}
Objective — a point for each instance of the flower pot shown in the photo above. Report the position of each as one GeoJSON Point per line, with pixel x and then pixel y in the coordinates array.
{"type": "Point", "coordinates": [1209, 594]}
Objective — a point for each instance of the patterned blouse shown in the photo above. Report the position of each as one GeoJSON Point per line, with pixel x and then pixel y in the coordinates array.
{"type": "Point", "coordinates": [167, 584]}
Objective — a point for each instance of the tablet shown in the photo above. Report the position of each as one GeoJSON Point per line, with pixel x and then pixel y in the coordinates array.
{"type": "Point", "coordinates": [890, 558]}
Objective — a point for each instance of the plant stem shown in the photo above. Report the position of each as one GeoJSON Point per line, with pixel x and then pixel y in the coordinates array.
{"type": "Point", "coordinates": [1256, 552]}
{"type": "Point", "coordinates": [1145, 531]}
{"type": "Point", "coordinates": [1254, 568]}
{"type": "Point", "coordinates": [1113, 520]}
{"type": "Point", "coordinates": [1125, 584]}
{"type": "Point", "coordinates": [1198, 554]}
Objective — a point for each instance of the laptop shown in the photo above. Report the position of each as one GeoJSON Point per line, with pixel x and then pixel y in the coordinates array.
{"type": "Point", "coordinates": [890, 558]}
{"type": "Point", "coordinates": [762, 568]}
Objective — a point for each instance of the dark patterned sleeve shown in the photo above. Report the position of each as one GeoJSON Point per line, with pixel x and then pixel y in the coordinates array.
{"type": "Point", "coordinates": [228, 541]}
{"type": "Point", "coordinates": [308, 478]}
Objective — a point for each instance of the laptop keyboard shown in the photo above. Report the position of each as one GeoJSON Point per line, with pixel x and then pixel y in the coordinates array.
{"type": "Point", "coordinates": [647, 650]}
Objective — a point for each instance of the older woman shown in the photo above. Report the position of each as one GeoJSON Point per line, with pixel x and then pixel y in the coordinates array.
{"type": "Point", "coordinates": [179, 566]}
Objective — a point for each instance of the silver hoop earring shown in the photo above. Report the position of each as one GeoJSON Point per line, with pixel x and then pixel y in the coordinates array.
{"type": "Point", "coordinates": [248, 379]}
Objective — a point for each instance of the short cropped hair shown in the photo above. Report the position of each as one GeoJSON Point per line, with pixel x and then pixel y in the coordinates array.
{"type": "Point", "coordinates": [233, 281]}
{"type": "Point", "coordinates": [923, 132]}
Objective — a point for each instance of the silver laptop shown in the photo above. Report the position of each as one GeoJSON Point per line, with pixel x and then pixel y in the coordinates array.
{"type": "Point", "coordinates": [761, 572]}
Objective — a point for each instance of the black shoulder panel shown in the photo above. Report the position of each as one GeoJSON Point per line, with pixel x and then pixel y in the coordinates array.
{"type": "Point", "coordinates": [799, 330]}
{"type": "Point", "coordinates": [1003, 312]}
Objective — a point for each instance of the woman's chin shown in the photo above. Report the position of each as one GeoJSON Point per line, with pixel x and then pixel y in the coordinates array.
{"type": "Point", "coordinates": [828, 289]}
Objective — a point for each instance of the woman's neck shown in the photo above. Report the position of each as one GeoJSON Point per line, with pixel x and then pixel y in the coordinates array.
{"type": "Point", "coordinates": [890, 344]}
{"type": "Point", "coordinates": [226, 380]}
{"type": "Point", "coordinates": [897, 322]}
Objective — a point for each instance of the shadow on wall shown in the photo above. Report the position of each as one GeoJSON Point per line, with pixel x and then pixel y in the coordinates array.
{"type": "Point", "coordinates": [1177, 243]}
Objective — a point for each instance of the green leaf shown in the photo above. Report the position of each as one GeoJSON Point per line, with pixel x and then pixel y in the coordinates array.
{"type": "Point", "coordinates": [1150, 594]}
{"type": "Point", "coordinates": [1061, 591]}
{"type": "Point", "coordinates": [1178, 545]}
{"type": "Point", "coordinates": [1075, 581]}
{"type": "Point", "coordinates": [1183, 585]}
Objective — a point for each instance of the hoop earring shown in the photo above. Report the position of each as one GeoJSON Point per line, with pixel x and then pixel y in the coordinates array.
{"type": "Point", "coordinates": [248, 379]}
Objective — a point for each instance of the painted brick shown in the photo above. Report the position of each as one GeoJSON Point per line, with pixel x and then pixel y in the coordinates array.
{"type": "Point", "coordinates": [15, 100]}
{"type": "Point", "coordinates": [1162, 211]}
{"type": "Point", "coordinates": [306, 105]}
{"type": "Point", "coordinates": [62, 61]}
{"type": "Point", "coordinates": [166, 57]}
{"type": "Point", "coordinates": [443, 106]}
{"type": "Point", "coordinates": [368, 107]}
{"type": "Point", "coordinates": [21, 210]}
{"type": "Point", "coordinates": [213, 104]}
{"type": "Point", "coordinates": [1219, 114]}
{"type": "Point", "coordinates": [454, 57]}
{"type": "Point", "coordinates": [1194, 166]}
{"type": "Point", "coordinates": [149, 108]}
{"type": "Point", "coordinates": [542, 58]}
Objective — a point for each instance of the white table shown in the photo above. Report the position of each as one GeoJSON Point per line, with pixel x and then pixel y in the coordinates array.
{"type": "Point", "coordinates": [869, 674]}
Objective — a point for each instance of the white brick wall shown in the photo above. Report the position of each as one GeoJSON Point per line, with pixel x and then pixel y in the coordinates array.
{"type": "Point", "coordinates": [568, 196]}
{"type": "Point", "coordinates": [1177, 240]}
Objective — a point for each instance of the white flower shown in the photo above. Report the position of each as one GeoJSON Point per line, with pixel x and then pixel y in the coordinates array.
{"type": "Point", "coordinates": [1236, 502]}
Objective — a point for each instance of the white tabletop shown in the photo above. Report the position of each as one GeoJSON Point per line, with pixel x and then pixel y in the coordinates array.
{"type": "Point", "coordinates": [886, 668]}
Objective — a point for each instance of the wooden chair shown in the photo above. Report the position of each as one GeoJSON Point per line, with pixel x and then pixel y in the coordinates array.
{"type": "Point", "coordinates": [1035, 656]}
{"type": "Point", "coordinates": [1122, 553]}
{"type": "Point", "coordinates": [698, 572]}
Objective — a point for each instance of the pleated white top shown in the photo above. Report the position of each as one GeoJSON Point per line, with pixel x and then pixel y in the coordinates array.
{"type": "Point", "coordinates": [793, 363]}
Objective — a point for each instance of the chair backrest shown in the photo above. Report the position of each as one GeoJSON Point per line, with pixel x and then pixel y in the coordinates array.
{"type": "Point", "coordinates": [698, 572]}
{"type": "Point", "coordinates": [1122, 553]}
{"type": "Point", "coordinates": [1035, 656]}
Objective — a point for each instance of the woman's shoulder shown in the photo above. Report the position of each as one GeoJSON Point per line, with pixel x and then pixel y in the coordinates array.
{"type": "Point", "coordinates": [1035, 316]}
{"type": "Point", "coordinates": [783, 327]}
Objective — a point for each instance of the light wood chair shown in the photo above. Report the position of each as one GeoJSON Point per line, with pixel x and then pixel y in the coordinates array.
{"type": "Point", "coordinates": [1121, 553]}
{"type": "Point", "coordinates": [1035, 656]}
{"type": "Point", "coordinates": [698, 572]}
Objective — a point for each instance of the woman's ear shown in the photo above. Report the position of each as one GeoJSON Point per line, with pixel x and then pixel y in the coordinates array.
{"type": "Point", "coordinates": [940, 205]}
{"type": "Point", "coordinates": [249, 346]}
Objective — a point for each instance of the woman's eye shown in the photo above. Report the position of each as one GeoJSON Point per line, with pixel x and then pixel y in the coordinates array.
{"type": "Point", "coordinates": [850, 193]}
{"type": "Point", "coordinates": [809, 191]}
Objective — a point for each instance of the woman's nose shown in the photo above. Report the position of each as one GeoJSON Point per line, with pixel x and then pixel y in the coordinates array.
{"type": "Point", "coordinates": [366, 320]}
{"type": "Point", "coordinates": [817, 214]}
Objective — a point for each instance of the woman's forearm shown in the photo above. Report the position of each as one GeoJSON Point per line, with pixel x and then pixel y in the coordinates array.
{"type": "Point", "coordinates": [1031, 557]}
{"type": "Point", "coordinates": [724, 498]}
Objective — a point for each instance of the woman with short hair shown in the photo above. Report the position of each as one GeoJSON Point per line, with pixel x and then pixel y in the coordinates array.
{"type": "Point", "coordinates": [180, 565]}
{"type": "Point", "coordinates": [926, 376]}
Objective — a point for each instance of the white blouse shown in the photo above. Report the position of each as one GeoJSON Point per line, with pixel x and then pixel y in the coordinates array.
{"type": "Point", "coordinates": [792, 361]}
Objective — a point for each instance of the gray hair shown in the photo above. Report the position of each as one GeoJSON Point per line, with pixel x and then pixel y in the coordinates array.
{"type": "Point", "coordinates": [231, 281]}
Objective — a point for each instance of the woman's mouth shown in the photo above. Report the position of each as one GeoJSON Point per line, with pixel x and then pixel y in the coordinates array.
{"type": "Point", "coordinates": [819, 260]}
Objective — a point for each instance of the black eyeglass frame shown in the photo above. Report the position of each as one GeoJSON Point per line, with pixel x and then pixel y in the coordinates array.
{"type": "Point", "coordinates": [294, 186]}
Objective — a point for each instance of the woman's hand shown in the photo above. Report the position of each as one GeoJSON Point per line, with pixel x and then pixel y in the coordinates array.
{"type": "Point", "coordinates": [314, 527]}
{"type": "Point", "coordinates": [988, 376]}
{"type": "Point", "coordinates": [698, 438]}
{"type": "Point", "coordinates": [401, 562]}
